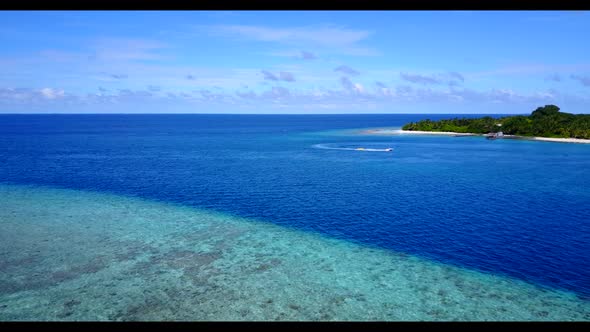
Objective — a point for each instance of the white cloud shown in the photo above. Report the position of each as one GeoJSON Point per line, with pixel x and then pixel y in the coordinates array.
{"type": "Point", "coordinates": [346, 70]}
{"type": "Point", "coordinates": [126, 49]}
{"type": "Point", "coordinates": [282, 76]}
{"type": "Point", "coordinates": [349, 86]}
{"type": "Point", "coordinates": [584, 80]}
{"type": "Point", "coordinates": [450, 78]}
{"type": "Point", "coordinates": [308, 55]}
{"type": "Point", "coordinates": [419, 79]}
{"type": "Point", "coordinates": [50, 93]}
{"type": "Point", "coordinates": [553, 77]}
{"type": "Point", "coordinates": [269, 76]}
{"type": "Point", "coordinates": [286, 76]}
{"type": "Point", "coordinates": [327, 37]}
{"type": "Point", "coordinates": [528, 69]}
{"type": "Point", "coordinates": [334, 36]}
{"type": "Point", "coordinates": [456, 75]}
{"type": "Point", "coordinates": [359, 88]}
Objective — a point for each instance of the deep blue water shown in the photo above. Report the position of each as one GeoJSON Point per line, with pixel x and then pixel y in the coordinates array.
{"type": "Point", "coordinates": [510, 207]}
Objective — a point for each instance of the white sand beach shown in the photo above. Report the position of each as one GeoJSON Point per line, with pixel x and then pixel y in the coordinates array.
{"type": "Point", "coordinates": [413, 132]}
{"type": "Point", "coordinates": [562, 140]}
{"type": "Point", "coordinates": [418, 132]}
{"type": "Point", "coordinates": [436, 133]}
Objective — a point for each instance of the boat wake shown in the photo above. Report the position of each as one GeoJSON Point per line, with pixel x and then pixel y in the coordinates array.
{"type": "Point", "coordinates": [360, 148]}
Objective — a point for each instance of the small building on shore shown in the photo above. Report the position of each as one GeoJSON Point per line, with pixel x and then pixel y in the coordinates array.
{"type": "Point", "coordinates": [498, 134]}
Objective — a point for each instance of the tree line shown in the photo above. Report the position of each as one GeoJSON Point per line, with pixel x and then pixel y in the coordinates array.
{"type": "Point", "coordinates": [545, 121]}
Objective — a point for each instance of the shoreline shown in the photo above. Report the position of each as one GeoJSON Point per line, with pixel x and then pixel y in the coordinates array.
{"type": "Point", "coordinates": [414, 132]}
{"type": "Point", "coordinates": [563, 140]}
{"type": "Point", "coordinates": [450, 133]}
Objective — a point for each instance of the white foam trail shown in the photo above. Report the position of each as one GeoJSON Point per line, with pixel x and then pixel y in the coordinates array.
{"type": "Point", "coordinates": [323, 146]}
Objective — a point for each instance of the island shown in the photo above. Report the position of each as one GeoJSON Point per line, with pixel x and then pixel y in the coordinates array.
{"type": "Point", "coordinates": [545, 123]}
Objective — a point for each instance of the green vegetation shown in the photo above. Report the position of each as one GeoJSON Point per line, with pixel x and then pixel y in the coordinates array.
{"type": "Point", "coordinates": [545, 121]}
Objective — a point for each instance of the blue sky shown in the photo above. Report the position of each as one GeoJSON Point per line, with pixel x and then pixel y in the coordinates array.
{"type": "Point", "coordinates": [293, 61]}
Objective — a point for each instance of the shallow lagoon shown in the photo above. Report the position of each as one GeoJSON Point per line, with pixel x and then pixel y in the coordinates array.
{"type": "Point", "coordinates": [75, 255]}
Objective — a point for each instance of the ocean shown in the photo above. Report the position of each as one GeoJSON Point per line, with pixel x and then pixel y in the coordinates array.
{"type": "Point", "coordinates": [279, 217]}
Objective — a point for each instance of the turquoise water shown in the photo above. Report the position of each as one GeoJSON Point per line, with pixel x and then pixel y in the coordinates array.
{"type": "Point", "coordinates": [227, 217]}
{"type": "Point", "coordinates": [74, 255]}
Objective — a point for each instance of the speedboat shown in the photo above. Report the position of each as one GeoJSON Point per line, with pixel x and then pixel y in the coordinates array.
{"type": "Point", "coordinates": [384, 150]}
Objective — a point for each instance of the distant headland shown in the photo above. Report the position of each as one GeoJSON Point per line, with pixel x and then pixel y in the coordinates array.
{"type": "Point", "coordinates": [545, 124]}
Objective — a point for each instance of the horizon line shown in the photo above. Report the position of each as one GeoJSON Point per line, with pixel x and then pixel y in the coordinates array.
{"type": "Point", "coordinates": [157, 113]}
